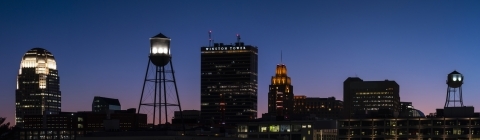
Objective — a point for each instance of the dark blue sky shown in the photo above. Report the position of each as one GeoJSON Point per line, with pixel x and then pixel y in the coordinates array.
{"type": "Point", "coordinates": [101, 47]}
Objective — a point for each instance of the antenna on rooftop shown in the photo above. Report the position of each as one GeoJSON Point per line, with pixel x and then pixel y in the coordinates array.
{"type": "Point", "coordinates": [210, 38]}
{"type": "Point", "coordinates": [281, 57]}
{"type": "Point", "coordinates": [238, 38]}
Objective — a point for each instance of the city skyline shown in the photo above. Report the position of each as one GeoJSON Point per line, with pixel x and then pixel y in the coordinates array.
{"type": "Point", "coordinates": [415, 43]}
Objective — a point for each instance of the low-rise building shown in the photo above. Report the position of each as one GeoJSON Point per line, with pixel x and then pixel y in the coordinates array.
{"type": "Point", "coordinates": [450, 123]}
{"type": "Point", "coordinates": [69, 125]}
{"type": "Point", "coordinates": [289, 130]}
{"type": "Point", "coordinates": [315, 107]}
{"type": "Point", "coordinates": [104, 104]}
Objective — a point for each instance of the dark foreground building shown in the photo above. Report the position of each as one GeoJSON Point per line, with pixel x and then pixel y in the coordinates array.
{"type": "Point", "coordinates": [363, 96]}
{"type": "Point", "coordinates": [317, 108]}
{"type": "Point", "coordinates": [229, 83]}
{"type": "Point", "coordinates": [289, 130]}
{"type": "Point", "coordinates": [104, 104]}
{"type": "Point", "coordinates": [450, 123]}
{"type": "Point", "coordinates": [38, 85]}
{"type": "Point", "coordinates": [70, 125]}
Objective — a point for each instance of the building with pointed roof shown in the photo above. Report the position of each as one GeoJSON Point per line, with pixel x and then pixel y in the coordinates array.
{"type": "Point", "coordinates": [280, 95]}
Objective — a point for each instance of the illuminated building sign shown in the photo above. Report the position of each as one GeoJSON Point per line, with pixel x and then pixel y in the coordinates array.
{"type": "Point", "coordinates": [224, 48]}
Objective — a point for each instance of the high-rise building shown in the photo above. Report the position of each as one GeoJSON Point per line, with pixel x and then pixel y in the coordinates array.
{"type": "Point", "coordinates": [38, 85]}
{"type": "Point", "coordinates": [103, 104]}
{"type": "Point", "coordinates": [362, 96]}
{"type": "Point", "coordinates": [280, 95]}
{"type": "Point", "coordinates": [229, 83]}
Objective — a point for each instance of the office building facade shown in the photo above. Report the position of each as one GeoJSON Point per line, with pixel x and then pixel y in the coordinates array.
{"type": "Point", "coordinates": [103, 104]}
{"type": "Point", "coordinates": [317, 108]}
{"type": "Point", "coordinates": [323, 108]}
{"type": "Point", "coordinates": [299, 104]}
{"type": "Point", "coordinates": [229, 83]}
{"type": "Point", "coordinates": [449, 123]}
{"type": "Point", "coordinates": [38, 85]}
{"type": "Point", "coordinates": [280, 95]}
{"type": "Point", "coordinates": [362, 96]}
{"type": "Point", "coordinates": [189, 117]}
{"type": "Point", "coordinates": [289, 130]}
{"type": "Point", "coordinates": [70, 125]}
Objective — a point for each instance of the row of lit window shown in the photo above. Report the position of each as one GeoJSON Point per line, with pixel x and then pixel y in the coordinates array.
{"type": "Point", "coordinates": [54, 101]}
{"type": "Point", "coordinates": [274, 128]}
{"type": "Point", "coordinates": [328, 109]}
{"type": "Point", "coordinates": [370, 97]}
{"type": "Point", "coordinates": [373, 93]}
{"type": "Point", "coordinates": [392, 132]}
{"type": "Point", "coordinates": [32, 82]}
{"type": "Point", "coordinates": [206, 104]}
{"type": "Point", "coordinates": [237, 72]}
{"type": "Point", "coordinates": [32, 106]}
{"type": "Point", "coordinates": [56, 124]}
{"type": "Point", "coordinates": [242, 86]}
{"type": "Point", "coordinates": [319, 103]}
{"type": "Point", "coordinates": [373, 101]}
{"type": "Point", "coordinates": [222, 90]}
{"type": "Point", "coordinates": [378, 104]}
{"type": "Point", "coordinates": [229, 51]}
{"type": "Point", "coordinates": [44, 94]}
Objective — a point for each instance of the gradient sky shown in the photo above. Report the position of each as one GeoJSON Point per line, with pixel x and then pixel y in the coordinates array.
{"type": "Point", "coordinates": [101, 46]}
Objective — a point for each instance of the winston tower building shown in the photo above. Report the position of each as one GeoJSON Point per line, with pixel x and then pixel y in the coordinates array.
{"type": "Point", "coordinates": [229, 83]}
{"type": "Point", "coordinates": [38, 89]}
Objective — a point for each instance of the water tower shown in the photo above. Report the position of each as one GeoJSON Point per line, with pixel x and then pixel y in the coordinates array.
{"type": "Point", "coordinates": [454, 90]}
{"type": "Point", "coordinates": [162, 78]}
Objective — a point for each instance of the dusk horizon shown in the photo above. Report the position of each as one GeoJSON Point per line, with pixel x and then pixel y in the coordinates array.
{"type": "Point", "coordinates": [100, 47]}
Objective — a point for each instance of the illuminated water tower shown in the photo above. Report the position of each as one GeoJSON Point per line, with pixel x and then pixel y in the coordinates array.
{"type": "Point", "coordinates": [160, 56]}
{"type": "Point", "coordinates": [454, 90]}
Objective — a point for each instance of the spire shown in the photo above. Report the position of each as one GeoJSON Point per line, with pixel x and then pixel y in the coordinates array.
{"type": "Point", "coordinates": [238, 38]}
{"type": "Point", "coordinates": [281, 57]}
{"type": "Point", "coordinates": [210, 38]}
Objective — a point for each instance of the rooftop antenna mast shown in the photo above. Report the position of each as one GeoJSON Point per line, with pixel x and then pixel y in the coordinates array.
{"type": "Point", "coordinates": [210, 38]}
{"type": "Point", "coordinates": [238, 38]}
{"type": "Point", "coordinates": [281, 57]}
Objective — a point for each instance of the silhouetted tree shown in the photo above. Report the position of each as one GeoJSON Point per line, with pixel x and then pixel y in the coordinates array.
{"type": "Point", "coordinates": [4, 129]}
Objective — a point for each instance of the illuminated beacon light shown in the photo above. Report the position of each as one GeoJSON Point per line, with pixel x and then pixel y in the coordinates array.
{"type": "Point", "coordinates": [160, 50]}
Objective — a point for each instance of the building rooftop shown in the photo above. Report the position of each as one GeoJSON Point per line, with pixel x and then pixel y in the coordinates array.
{"type": "Point", "coordinates": [160, 35]}
{"type": "Point", "coordinates": [455, 72]}
{"type": "Point", "coordinates": [109, 101]}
